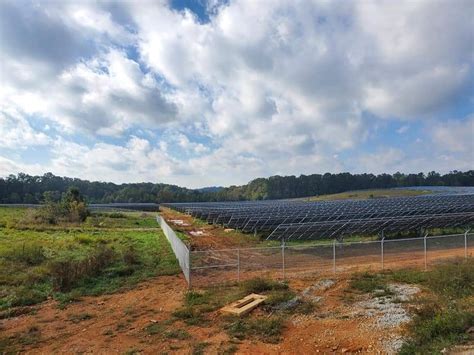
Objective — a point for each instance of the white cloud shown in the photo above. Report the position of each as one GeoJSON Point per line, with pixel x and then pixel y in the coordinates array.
{"type": "Point", "coordinates": [455, 136]}
{"type": "Point", "coordinates": [16, 132]}
{"type": "Point", "coordinates": [282, 87]}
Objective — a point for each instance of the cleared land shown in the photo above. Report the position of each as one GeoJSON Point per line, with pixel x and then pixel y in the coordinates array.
{"type": "Point", "coordinates": [139, 303]}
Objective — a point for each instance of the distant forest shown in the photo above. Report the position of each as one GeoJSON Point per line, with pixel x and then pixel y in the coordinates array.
{"type": "Point", "coordinates": [23, 188]}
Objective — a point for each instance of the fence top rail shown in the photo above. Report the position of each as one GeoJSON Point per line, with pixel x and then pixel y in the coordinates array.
{"type": "Point", "coordinates": [330, 244]}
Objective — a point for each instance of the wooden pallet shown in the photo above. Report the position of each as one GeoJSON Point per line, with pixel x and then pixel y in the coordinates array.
{"type": "Point", "coordinates": [244, 305]}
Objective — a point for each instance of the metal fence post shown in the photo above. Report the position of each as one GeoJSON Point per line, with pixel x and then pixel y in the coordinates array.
{"type": "Point", "coordinates": [381, 251]}
{"type": "Point", "coordinates": [238, 265]}
{"type": "Point", "coordinates": [426, 259]}
{"type": "Point", "coordinates": [334, 255]}
{"type": "Point", "coordinates": [189, 267]}
{"type": "Point", "coordinates": [465, 243]}
{"type": "Point", "coordinates": [283, 258]}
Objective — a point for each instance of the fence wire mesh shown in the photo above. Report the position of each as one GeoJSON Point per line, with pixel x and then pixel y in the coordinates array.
{"type": "Point", "coordinates": [231, 265]}
{"type": "Point", "coordinates": [206, 267]}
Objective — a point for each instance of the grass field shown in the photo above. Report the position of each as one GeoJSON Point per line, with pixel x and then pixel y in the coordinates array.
{"type": "Point", "coordinates": [107, 252]}
{"type": "Point", "coordinates": [367, 194]}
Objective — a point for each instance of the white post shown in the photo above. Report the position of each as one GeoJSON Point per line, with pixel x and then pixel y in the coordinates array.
{"type": "Point", "coordinates": [189, 266]}
{"type": "Point", "coordinates": [381, 251]}
{"type": "Point", "coordinates": [283, 258]}
{"type": "Point", "coordinates": [426, 259]}
{"type": "Point", "coordinates": [465, 243]}
{"type": "Point", "coordinates": [238, 265]}
{"type": "Point", "coordinates": [334, 255]}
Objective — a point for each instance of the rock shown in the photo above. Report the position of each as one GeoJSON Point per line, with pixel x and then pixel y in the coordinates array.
{"type": "Point", "coordinates": [153, 321]}
{"type": "Point", "coordinates": [344, 350]}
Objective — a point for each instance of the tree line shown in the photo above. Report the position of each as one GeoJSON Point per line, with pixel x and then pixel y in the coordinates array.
{"type": "Point", "coordinates": [24, 188]}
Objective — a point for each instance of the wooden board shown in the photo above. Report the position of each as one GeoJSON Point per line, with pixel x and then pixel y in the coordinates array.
{"type": "Point", "coordinates": [244, 305]}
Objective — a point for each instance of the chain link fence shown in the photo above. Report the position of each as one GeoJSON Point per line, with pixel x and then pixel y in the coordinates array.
{"type": "Point", "coordinates": [206, 267]}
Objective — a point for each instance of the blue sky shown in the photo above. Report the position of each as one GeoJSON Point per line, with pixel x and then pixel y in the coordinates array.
{"type": "Point", "coordinates": [201, 93]}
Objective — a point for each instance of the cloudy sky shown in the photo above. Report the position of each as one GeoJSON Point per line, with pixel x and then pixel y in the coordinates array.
{"type": "Point", "coordinates": [201, 93]}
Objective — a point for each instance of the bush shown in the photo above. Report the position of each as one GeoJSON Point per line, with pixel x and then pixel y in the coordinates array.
{"type": "Point", "coordinates": [433, 332]}
{"type": "Point", "coordinates": [67, 273]}
{"type": "Point", "coordinates": [71, 208]}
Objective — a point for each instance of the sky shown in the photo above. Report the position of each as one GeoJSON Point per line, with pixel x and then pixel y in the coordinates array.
{"type": "Point", "coordinates": [216, 93]}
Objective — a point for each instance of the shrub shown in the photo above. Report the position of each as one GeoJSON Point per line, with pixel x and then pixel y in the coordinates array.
{"type": "Point", "coordinates": [67, 273]}
{"type": "Point", "coordinates": [433, 332]}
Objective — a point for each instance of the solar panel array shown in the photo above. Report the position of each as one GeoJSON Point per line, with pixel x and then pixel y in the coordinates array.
{"type": "Point", "coordinates": [298, 219]}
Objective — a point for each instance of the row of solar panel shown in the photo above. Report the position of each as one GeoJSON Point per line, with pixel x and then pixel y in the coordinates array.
{"type": "Point", "coordinates": [299, 219]}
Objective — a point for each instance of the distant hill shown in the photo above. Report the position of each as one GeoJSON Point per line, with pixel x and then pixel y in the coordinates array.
{"type": "Point", "coordinates": [210, 189]}
{"type": "Point", "coordinates": [23, 188]}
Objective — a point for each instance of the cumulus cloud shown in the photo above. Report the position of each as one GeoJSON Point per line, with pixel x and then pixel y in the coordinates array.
{"type": "Point", "coordinates": [256, 89]}
{"type": "Point", "coordinates": [17, 133]}
{"type": "Point", "coordinates": [455, 136]}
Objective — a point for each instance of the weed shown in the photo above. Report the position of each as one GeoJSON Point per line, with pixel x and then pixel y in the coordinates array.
{"type": "Point", "coordinates": [367, 283]}
{"type": "Point", "coordinates": [452, 280]}
{"type": "Point", "coordinates": [189, 315]}
{"type": "Point", "coordinates": [77, 318]}
{"type": "Point", "coordinates": [433, 332]}
{"type": "Point", "coordinates": [267, 330]}
{"type": "Point", "coordinates": [67, 273]}
{"type": "Point", "coordinates": [32, 336]}
{"type": "Point", "coordinates": [155, 328]}
{"type": "Point", "coordinates": [261, 285]}
{"type": "Point", "coordinates": [198, 349]}
{"type": "Point", "coordinates": [409, 276]}
{"type": "Point", "coordinates": [180, 334]}
{"type": "Point", "coordinates": [231, 349]}
{"type": "Point", "coordinates": [194, 298]}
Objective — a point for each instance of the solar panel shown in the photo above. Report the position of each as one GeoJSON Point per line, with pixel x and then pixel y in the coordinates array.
{"type": "Point", "coordinates": [298, 219]}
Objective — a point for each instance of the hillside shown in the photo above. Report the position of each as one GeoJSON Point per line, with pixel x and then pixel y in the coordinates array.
{"type": "Point", "coordinates": [23, 188]}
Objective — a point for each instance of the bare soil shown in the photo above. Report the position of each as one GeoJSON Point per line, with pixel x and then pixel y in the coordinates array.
{"type": "Point", "coordinates": [118, 323]}
{"type": "Point", "coordinates": [138, 320]}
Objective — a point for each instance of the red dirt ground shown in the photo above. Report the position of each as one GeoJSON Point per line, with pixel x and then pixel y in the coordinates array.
{"type": "Point", "coordinates": [117, 323]}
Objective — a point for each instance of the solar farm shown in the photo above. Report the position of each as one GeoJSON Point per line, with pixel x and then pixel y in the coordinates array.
{"type": "Point", "coordinates": [327, 236]}
{"type": "Point", "coordinates": [300, 220]}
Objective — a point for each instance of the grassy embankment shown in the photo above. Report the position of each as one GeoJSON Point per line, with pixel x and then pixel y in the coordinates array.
{"type": "Point", "coordinates": [102, 255]}
{"type": "Point", "coordinates": [443, 313]}
{"type": "Point", "coordinates": [368, 194]}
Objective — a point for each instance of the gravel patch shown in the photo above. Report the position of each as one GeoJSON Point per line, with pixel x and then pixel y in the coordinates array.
{"type": "Point", "coordinates": [389, 313]}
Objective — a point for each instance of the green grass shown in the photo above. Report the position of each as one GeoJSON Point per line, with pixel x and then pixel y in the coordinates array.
{"type": "Point", "coordinates": [266, 325]}
{"type": "Point", "coordinates": [441, 317]}
{"type": "Point", "coordinates": [268, 330]}
{"type": "Point", "coordinates": [67, 263]}
{"type": "Point", "coordinates": [368, 194]}
{"type": "Point", "coordinates": [20, 218]}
